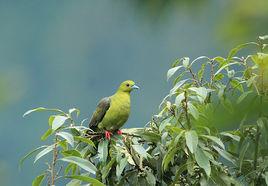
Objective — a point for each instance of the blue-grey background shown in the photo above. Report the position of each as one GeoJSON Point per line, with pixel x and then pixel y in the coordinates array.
{"type": "Point", "coordinates": [64, 54]}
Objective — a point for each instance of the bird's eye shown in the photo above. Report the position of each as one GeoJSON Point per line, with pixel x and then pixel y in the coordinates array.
{"type": "Point", "coordinates": [127, 85]}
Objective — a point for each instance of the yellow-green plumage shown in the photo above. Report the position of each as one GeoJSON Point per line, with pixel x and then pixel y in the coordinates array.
{"type": "Point", "coordinates": [112, 112]}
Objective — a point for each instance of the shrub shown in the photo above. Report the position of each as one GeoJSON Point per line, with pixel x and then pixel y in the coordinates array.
{"type": "Point", "coordinates": [183, 143]}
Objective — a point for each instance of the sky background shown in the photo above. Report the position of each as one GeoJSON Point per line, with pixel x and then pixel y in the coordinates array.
{"type": "Point", "coordinates": [65, 54]}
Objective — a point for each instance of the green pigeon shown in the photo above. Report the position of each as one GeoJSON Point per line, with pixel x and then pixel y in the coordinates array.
{"type": "Point", "coordinates": [113, 112]}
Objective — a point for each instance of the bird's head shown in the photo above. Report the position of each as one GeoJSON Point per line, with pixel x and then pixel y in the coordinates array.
{"type": "Point", "coordinates": [127, 86]}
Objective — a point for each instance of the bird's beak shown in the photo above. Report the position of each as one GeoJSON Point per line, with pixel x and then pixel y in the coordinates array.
{"type": "Point", "coordinates": [135, 87]}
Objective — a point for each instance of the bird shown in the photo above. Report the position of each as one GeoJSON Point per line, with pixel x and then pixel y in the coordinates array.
{"type": "Point", "coordinates": [112, 112]}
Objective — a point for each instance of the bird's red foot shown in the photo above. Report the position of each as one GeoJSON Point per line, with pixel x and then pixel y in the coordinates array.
{"type": "Point", "coordinates": [108, 134]}
{"type": "Point", "coordinates": [119, 132]}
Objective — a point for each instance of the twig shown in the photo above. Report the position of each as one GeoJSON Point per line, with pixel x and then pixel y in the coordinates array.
{"type": "Point", "coordinates": [53, 163]}
{"type": "Point", "coordinates": [185, 107]}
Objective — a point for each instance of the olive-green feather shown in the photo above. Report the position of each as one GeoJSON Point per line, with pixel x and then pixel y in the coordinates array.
{"type": "Point", "coordinates": [112, 112]}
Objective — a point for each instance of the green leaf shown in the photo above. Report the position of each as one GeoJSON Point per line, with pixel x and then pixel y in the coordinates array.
{"type": "Point", "coordinates": [233, 52]}
{"type": "Point", "coordinates": [202, 160]}
{"type": "Point", "coordinates": [38, 180]}
{"type": "Point", "coordinates": [180, 170]}
{"type": "Point", "coordinates": [225, 66]}
{"type": "Point", "coordinates": [243, 96]}
{"type": "Point", "coordinates": [234, 137]}
{"type": "Point", "coordinates": [185, 62]}
{"type": "Point", "coordinates": [72, 110]}
{"type": "Point", "coordinates": [215, 139]}
{"type": "Point", "coordinates": [140, 150]}
{"type": "Point", "coordinates": [172, 71]}
{"type": "Point", "coordinates": [105, 171]}
{"type": "Point", "coordinates": [30, 154]}
{"type": "Point", "coordinates": [168, 157]}
{"type": "Point", "coordinates": [86, 179]}
{"type": "Point", "coordinates": [85, 140]}
{"type": "Point", "coordinates": [191, 138]}
{"type": "Point", "coordinates": [242, 153]}
{"type": "Point", "coordinates": [265, 176]}
{"type": "Point", "coordinates": [225, 154]}
{"type": "Point", "coordinates": [150, 178]}
{"type": "Point", "coordinates": [72, 152]}
{"type": "Point", "coordinates": [69, 138]}
{"type": "Point", "coordinates": [39, 109]}
{"type": "Point", "coordinates": [103, 150]}
{"type": "Point", "coordinates": [193, 110]}
{"type": "Point", "coordinates": [263, 38]}
{"type": "Point", "coordinates": [151, 136]}
{"type": "Point", "coordinates": [44, 152]}
{"type": "Point", "coordinates": [237, 85]}
{"type": "Point", "coordinates": [83, 163]}
{"type": "Point", "coordinates": [74, 183]}
{"type": "Point", "coordinates": [120, 167]}
{"type": "Point", "coordinates": [46, 134]}
{"type": "Point", "coordinates": [179, 99]}
{"type": "Point", "coordinates": [177, 86]}
{"type": "Point", "coordinates": [218, 77]}
{"type": "Point", "coordinates": [58, 121]}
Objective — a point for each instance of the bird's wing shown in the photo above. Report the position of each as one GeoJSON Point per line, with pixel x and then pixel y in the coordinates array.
{"type": "Point", "coordinates": [100, 112]}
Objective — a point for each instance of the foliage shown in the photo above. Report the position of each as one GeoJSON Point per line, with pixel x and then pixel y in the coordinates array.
{"type": "Point", "coordinates": [182, 144]}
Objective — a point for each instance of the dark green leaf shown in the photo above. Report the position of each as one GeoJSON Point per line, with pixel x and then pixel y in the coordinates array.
{"type": "Point", "coordinates": [168, 157]}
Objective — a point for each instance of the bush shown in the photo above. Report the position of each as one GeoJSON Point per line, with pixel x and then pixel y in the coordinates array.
{"type": "Point", "coordinates": [182, 145]}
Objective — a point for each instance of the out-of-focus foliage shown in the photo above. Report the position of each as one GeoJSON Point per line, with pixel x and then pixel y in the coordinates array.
{"type": "Point", "coordinates": [181, 144]}
{"type": "Point", "coordinates": [244, 19]}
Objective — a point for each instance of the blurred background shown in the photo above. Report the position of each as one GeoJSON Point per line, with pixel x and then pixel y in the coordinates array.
{"type": "Point", "coordinates": [68, 54]}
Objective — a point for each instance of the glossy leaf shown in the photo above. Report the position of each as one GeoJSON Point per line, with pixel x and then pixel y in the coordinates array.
{"type": "Point", "coordinates": [58, 121]}
{"type": "Point", "coordinates": [44, 152]}
{"type": "Point", "coordinates": [172, 71]}
{"type": "Point", "coordinates": [69, 138]}
{"type": "Point", "coordinates": [83, 163]}
{"type": "Point", "coordinates": [87, 179]}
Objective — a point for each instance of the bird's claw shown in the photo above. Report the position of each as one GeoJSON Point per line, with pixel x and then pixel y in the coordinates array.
{"type": "Point", "coordinates": [108, 134]}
